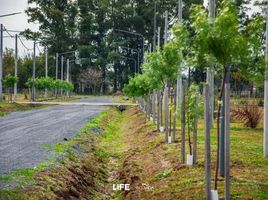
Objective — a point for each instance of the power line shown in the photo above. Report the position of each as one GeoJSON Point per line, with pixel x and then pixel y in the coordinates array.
{"type": "Point", "coordinates": [7, 36]}
{"type": "Point", "coordinates": [7, 15]}
{"type": "Point", "coordinates": [28, 49]}
{"type": "Point", "coordinates": [15, 31]}
{"type": "Point", "coordinates": [38, 49]}
{"type": "Point", "coordinates": [8, 32]}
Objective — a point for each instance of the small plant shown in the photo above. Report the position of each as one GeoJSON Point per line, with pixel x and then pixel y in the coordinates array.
{"type": "Point", "coordinates": [249, 113]}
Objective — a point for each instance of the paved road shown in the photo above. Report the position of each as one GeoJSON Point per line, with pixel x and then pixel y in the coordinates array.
{"type": "Point", "coordinates": [23, 133]}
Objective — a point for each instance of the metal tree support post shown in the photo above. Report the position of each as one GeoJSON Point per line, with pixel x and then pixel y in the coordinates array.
{"type": "Point", "coordinates": [195, 131]}
{"type": "Point", "coordinates": [46, 70]}
{"type": "Point", "coordinates": [222, 151]}
{"type": "Point", "coordinates": [207, 143]}
{"type": "Point", "coordinates": [16, 68]}
{"type": "Point", "coordinates": [210, 81]}
{"type": "Point", "coordinates": [34, 70]}
{"type": "Point", "coordinates": [174, 118]}
{"type": "Point", "coordinates": [183, 125]}
{"type": "Point", "coordinates": [158, 110]}
{"type": "Point", "coordinates": [227, 137]}
{"type": "Point", "coordinates": [210, 71]}
{"type": "Point", "coordinates": [166, 110]}
{"type": "Point", "coordinates": [166, 84]}
{"type": "Point", "coordinates": [265, 132]}
{"type": "Point", "coordinates": [1, 61]}
{"type": "Point", "coordinates": [153, 106]}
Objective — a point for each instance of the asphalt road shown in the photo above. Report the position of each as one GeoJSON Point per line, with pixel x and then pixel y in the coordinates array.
{"type": "Point", "coordinates": [22, 134]}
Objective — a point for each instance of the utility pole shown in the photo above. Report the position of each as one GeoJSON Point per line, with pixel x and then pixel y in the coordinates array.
{"type": "Point", "coordinates": [57, 65]}
{"type": "Point", "coordinates": [62, 63]}
{"type": "Point", "coordinates": [179, 79]}
{"type": "Point", "coordinates": [34, 70]}
{"type": "Point", "coordinates": [180, 10]}
{"type": "Point", "coordinates": [46, 49]}
{"type": "Point", "coordinates": [154, 42]}
{"type": "Point", "coordinates": [68, 74]}
{"type": "Point", "coordinates": [159, 37]}
{"type": "Point", "coordinates": [210, 70]}
{"type": "Point", "coordinates": [68, 70]}
{"type": "Point", "coordinates": [265, 133]}
{"type": "Point", "coordinates": [1, 61]}
{"type": "Point", "coordinates": [16, 67]}
{"type": "Point", "coordinates": [166, 84]}
{"type": "Point", "coordinates": [61, 78]}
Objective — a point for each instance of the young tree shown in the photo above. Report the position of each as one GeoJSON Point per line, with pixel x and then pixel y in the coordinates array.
{"type": "Point", "coordinates": [9, 82]}
{"type": "Point", "coordinates": [222, 41]}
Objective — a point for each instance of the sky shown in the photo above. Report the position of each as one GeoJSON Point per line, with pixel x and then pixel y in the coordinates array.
{"type": "Point", "coordinates": [16, 22]}
{"type": "Point", "coordinates": [19, 22]}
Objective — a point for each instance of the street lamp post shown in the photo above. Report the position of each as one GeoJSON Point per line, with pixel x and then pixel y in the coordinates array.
{"type": "Point", "coordinates": [16, 67]}
{"type": "Point", "coordinates": [34, 71]}
{"type": "Point", "coordinates": [135, 62]}
{"type": "Point", "coordinates": [1, 61]}
{"type": "Point", "coordinates": [137, 51]}
{"type": "Point", "coordinates": [136, 34]}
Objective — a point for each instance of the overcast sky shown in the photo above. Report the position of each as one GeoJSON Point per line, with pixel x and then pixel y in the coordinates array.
{"type": "Point", "coordinates": [19, 22]}
{"type": "Point", "coordinates": [16, 22]}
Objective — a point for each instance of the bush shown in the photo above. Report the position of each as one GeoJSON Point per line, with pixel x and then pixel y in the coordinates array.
{"type": "Point", "coordinates": [9, 81]}
{"type": "Point", "coordinates": [249, 113]}
{"type": "Point", "coordinates": [50, 84]}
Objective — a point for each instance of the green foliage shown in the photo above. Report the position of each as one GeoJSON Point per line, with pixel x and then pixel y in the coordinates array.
{"type": "Point", "coordinates": [139, 86]}
{"type": "Point", "coordinates": [220, 39]}
{"type": "Point", "coordinates": [192, 94]}
{"type": "Point", "coordinates": [9, 81]}
{"type": "Point", "coordinates": [50, 84]}
{"type": "Point", "coordinates": [162, 65]}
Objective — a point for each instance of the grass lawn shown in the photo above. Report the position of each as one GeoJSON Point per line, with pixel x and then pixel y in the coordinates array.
{"type": "Point", "coordinates": [6, 108]}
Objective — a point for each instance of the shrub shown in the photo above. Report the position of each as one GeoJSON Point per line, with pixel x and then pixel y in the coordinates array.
{"type": "Point", "coordinates": [9, 80]}
{"type": "Point", "coordinates": [249, 113]}
{"type": "Point", "coordinates": [50, 84]}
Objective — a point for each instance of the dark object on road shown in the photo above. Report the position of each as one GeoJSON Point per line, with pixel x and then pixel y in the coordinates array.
{"type": "Point", "coordinates": [121, 108]}
{"type": "Point", "coordinates": [126, 98]}
{"type": "Point", "coordinates": [65, 139]}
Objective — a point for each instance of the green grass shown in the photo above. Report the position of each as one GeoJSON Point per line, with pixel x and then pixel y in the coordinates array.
{"type": "Point", "coordinates": [6, 108]}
